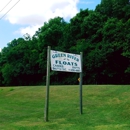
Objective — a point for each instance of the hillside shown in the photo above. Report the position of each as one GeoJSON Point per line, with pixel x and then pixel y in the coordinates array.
{"type": "Point", "coordinates": [105, 107]}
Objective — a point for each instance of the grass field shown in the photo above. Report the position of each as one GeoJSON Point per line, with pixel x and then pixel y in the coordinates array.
{"type": "Point", "coordinates": [105, 107]}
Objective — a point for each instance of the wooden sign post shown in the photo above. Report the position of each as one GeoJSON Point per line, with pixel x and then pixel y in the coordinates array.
{"type": "Point", "coordinates": [61, 61]}
{"type": "Point", "coordinates": [47, 86]}
{"type": "Point", "coordinates": [80, 83]}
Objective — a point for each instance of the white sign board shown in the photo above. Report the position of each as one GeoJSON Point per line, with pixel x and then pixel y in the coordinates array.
{"type": "Point", "coordinates": [61, 61]}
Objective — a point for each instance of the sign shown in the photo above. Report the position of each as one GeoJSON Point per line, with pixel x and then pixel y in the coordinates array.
{"type": "Point", "coordinates": [61, 61]}
{"type": "Point", "coordinates": [79, 79]}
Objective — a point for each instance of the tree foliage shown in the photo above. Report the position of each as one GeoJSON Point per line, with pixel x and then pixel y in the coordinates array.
{"type": "Point", "coordinates": [103, 35]}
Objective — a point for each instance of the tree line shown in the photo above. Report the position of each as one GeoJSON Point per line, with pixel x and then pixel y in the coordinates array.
{"type": "Point", "coordinates": [103, 35]}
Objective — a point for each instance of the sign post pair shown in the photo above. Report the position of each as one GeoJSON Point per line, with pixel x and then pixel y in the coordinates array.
{"type": "Point", "coordinates": [61, 61]}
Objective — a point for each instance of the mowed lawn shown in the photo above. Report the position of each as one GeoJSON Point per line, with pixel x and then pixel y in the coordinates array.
{"type": "Point", "coordinates": [105, 107]}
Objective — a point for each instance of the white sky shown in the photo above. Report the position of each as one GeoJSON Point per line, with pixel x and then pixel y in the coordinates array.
{"type": "Point", "coordinates": [35, 12]}
{"type": "Point", "coordinates": [28, 15]}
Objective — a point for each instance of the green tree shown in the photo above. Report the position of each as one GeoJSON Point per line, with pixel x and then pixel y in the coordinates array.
{"type": "Point", "coordinates": [105, 7]}
{"type": "Point", "coordinates": [126, 46]}
{"type": "Point", "coordinates": [114, 39]}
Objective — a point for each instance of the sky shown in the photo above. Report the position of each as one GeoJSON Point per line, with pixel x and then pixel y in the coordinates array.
{"type": "Point", "coordinates": [18, 17]}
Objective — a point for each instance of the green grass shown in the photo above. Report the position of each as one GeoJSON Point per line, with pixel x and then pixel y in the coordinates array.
{"type": "Point", "coordinates": [105, 107]}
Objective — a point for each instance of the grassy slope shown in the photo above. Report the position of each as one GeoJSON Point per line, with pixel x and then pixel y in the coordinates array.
{"type": "Point", "coordinates": [104, 108]}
